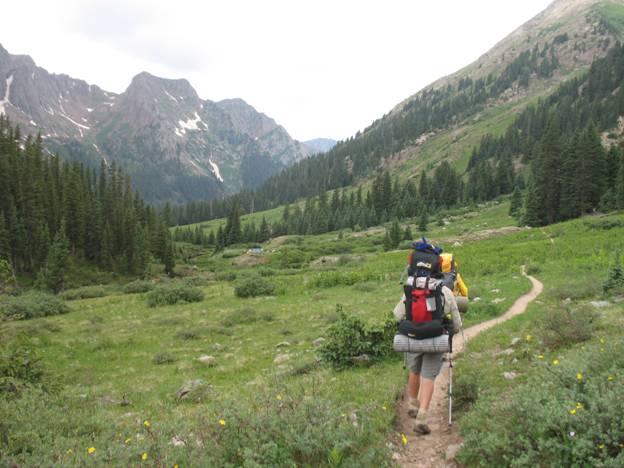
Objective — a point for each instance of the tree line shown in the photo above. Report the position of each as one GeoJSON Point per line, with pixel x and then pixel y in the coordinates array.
{"type": "Point", "coordinates": [50, 209]}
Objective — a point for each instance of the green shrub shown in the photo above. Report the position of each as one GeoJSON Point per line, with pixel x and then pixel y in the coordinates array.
{"type": "Point", "coordinates": [163, 358]}
{"type": "Point", "coordinates": [20, 367]}
{"type": "Point", "coordinates": [138, 286]}
{"type": "Point", "coordinates": [173, 292]}
{"type": "Point", "coordinates": [564, 326]}
{"type": "Point", "coordinates": [188, 335]}
{"type": "Point", "coordinates": [566, 415]}
{"type": "Point", "coordinates": [31, 304]}
{"type": "Point", "coordinates": [615, 280]}
{"type": "Point", "coordinates": [226, 276]}
{"type": "Point", "coordinates": [232, 253]}
{"type": "Point", "coordinates": [86, 292]}
{"type": "Point", "coordinates": [195, 281]}
{"type": "Point", "coordinates": [329, 279]}
{"type": "Point", "coordinates": [576, 289]}
{"type": "Point", "coordinates": [350, 336]}
{"type": "Point", "coordinates": [253, 286]}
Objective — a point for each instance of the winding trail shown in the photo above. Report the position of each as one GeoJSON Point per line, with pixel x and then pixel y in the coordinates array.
{"type": "Point", "coordinates": [430, 451]}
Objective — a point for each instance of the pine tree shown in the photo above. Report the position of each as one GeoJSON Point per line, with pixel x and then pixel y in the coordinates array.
{"type": "Point", "coordinates": [169, 259]}
{"type": "Point", "coordinates": [53, 274]}
{"type": "Point", "coordinates": [395, 233]}
{"type": "Point", "coordinates": [407, 234]}
{"type": "Point", "coordinates": [548, 173]}
{"type": "Point", "coordinates": [516, 202]}
{"type": "Point", "coordinates": [531, 212]}
{"type": "Point", "coordinates": [5, 245]}
{"type": "Point", "coordinates": [387, 242]}
{"type": "Point", "coordinates": [265, 231]}
{"type": "Point", "coordinates": [424, 220]}
{"type": "Point", "coordinates": [233, 232]}
{"type": "Point", "coordinates": [620, 183]}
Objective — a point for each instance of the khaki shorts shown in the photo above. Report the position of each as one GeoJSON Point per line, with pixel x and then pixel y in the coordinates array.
{"type": "Point", "coordinates": [428, 365]}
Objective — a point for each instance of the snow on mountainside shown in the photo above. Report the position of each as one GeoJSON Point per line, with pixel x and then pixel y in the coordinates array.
{"type": "Point", "coordinates": [176, 146]}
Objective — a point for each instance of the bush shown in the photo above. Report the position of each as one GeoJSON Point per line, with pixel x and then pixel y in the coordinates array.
{"type": "Point", "coordinates": [253, 286]}
{"type": "Point", "coordinates": [163, 358]}
{"type": "Point", "coordinates": [195, 281]}
{"type": "Point", "coordinates": [173, 292]}
{"type": "Point", "coordinates": [232, 253]}
{"type": "Point", "coordinates": [20, 367]}
{"type": "Point", "coordinates": [85, 292]}
{"type": "Point", "coordinates": [188, 335]}
{"type": "Point", "coordinates": [350, 336]}
{"type": "Point", "coordinates": [329, 279]}
{"type": "Point", "coordinates": [138, 286]}
{"type": "Point", "coordinates": [32, 304]}
{"type": "Point", "coordinates": [226, 276]}
{"type": "Point", "coordinates": [566, 415]}
{"type": "Point", "coordinates": [565, 326]}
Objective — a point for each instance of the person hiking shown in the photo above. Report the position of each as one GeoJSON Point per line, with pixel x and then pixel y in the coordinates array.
{"type": "Point", "coordinates": [425, 265]}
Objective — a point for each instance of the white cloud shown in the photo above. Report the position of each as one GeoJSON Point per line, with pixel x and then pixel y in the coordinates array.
{"type": "Point", "coordinates": [320, 68]}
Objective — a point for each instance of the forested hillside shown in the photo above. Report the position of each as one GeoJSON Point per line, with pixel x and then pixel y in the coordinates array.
{"type": "Point", "coordinates": [49, 209]}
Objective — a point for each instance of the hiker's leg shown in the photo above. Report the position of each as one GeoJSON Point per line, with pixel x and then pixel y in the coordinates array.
{"type": "Point", "coordinates": [426, 392]}
{"type": "Point", "coordinates": [413, 385]}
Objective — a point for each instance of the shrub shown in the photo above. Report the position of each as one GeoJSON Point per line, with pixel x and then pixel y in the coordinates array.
{"type": "Point", "coordinates": [138, 286]}
{"type": "Point", "coordinates": [188, 335]}
{"type": "Point", "coordinates": [253, 286]}
{"type": "Point", "coordinates": [31, 304]}
{"type": "Point", "coordinates": [329, 279]}
{"type": "Point", "coordinates": [226, 276]}
{"type": "Point", "coordinates": [195, 281]}
{"type": "Point", "coordinates": [576, 289]}
{"type": "Point", "coordinates": [566, 415]}
{"type": "Point", "coordinates": [232, 253]}
{"type": "Point", "coordinates": [350, 336]}
{"type": "Point", "coordinates": [173, 292]}
{"type": "Point", "coordinates": [565, 326]}
{"type": "Point", "coordinates": [615, 280]}
{"type": "Point", "coordinates": [86, 292]}
{"type": "Point", "coordinates": [163, 358]}
{"type": "Point", "coordinates": [20, 367]}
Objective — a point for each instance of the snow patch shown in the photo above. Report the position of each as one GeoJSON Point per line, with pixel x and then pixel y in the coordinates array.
{"type": "Point", "coordinates": [215, 170]}
{"type": "Point", "coordinates": [172, 98]}
{"type": "Point", "coordinates": [179, 132]}
{"type": "Point", "coordinates": [191, 124]}
{"type": "Point", "coordinates": [32, 76]}
{"type": "Point", "coordinates": [33, 123]}
{"type": "Point", "coordinates": [7, 92]}
{"type": "Point", "coordinates": [89, 109]}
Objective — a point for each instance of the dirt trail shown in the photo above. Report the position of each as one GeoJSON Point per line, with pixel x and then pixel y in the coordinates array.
{"type": "Point", "coordinates": [430, 451]}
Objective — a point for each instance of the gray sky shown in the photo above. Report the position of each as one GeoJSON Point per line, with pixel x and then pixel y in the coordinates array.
{"type": "Point", "coordinates": [319, 68]}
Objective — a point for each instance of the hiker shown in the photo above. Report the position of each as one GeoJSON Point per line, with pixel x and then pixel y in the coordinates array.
{"type": "Point", "coordinates": [433, 311]}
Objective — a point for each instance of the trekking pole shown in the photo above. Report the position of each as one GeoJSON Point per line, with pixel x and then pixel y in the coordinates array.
{"type": "Point", "coordinates": [450, 391]}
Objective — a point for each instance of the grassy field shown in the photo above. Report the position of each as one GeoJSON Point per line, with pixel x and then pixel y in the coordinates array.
{"type": "Point", "coordinates": [116, 363]}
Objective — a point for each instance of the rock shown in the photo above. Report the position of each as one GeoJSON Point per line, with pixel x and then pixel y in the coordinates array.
{"type": "Point", "coordinates": [396, 456]}
{"type": "Point", "coordinates": [600, 304]}
{"type": "Point", "coordinates": [452, 451]}
{"type": "Point", "coordinates": [567, 300]}
{"type": "Point", "coordinates": [476, 299]}
{"type": "Point", "coordinates": [281, 358]}
{"type": "Point", "coordinates": [361, 359]}
{"type": "Point", "coordinates": [177, 442]}
{"type": "Point", "coordinates": [192, 389]}
{"type": "Point", "coordinates": [515, 341]}
{"type": "Point", "coordinates": [318, 341]}
{"type": "Point", "coordinates": [618, 299]}
{"type": "Point", "coordinates": [217, 346]}
{"type": "Point", "coordinates": [210, 361]}
{"type": "Point", "coordinates": [505, 352]}
{"type": "Point", "coordinates": [457, 244]}
{"type": "Point", "coordinates": [353, 417]}
{"type": "Point", "coordinates": [283, 344]}
{"type": "Point", "coordinates": [510, 375]}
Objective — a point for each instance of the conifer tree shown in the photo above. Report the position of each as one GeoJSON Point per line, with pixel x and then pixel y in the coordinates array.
{"type": "Point", "coordinates": [407, 234]}
{"type": "Point", "coordinates": [265, 231]}
{"type": "Point", "coordinates": [531, 212]}
{"type": "Point", "coordinates": [387, 242]}
{"type": "Point", "coordinates": [516, 202]}
{"type": "Point", "coordinates": [5, 246]}
{"type": "Point", "coordinates": [52, 275]}
{"type": "Point", "coordinates": [395, 233]}
{"type": "Point", "coordinates": [424, 219]}
{"type": "Point", "coordinates": [169, 259]}
{"type": "Point", "coordinates": [620, 183]}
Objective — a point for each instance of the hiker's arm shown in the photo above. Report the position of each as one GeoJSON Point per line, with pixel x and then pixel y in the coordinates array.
{"type": "Point", "coordinates": [450, 306]}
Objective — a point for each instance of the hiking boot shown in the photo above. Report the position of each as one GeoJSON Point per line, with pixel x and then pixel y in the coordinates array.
{"type": "Point", "coordinates": [421, 427]}
{"type": "Point", "coordinates": [412, 407]}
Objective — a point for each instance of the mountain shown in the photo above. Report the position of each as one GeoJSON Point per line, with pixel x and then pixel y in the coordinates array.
{"type": "Point", "coordinates": [175, 146]}
{"type": "Point", "coordinates": [320, 145]}
{"type": "Point", "coordinates": [449, 119]}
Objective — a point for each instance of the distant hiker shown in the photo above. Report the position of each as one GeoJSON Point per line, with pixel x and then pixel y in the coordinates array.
{"type": "Point", "coordinates": [427, 309]}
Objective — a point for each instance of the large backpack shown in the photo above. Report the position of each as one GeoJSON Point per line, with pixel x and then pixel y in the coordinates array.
{"type": "Point", "coordinates": [424, 301]}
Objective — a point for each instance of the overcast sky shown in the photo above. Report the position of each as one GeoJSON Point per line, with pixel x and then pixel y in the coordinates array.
{"type": "Point", "coordinates": [319, 68]}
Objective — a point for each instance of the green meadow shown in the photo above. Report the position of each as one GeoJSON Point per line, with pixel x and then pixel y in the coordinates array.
{"type": "Point", "coordinates": [110, 373]}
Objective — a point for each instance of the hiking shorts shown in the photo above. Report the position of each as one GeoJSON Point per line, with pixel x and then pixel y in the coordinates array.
{"type": "Point", "coordinates": [428, 365]}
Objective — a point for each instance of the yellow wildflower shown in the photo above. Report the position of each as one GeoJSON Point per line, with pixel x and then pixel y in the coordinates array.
{"type": "Point", "coordinates": [144, 456]}
{"type": "Point", "coordinates": [572, 411]}
{"type": "Point", "coordinates": [176, 466]}
{"type": "Point", "coordinates": [601, 446]}
{"type": "Point", "coordinates": [579, 405]}
{"type": "Point", "coordinates": [279, 397]}
{"type": "Point", "coordinates": [384, 407]}
{"type": "Point", "coordinates": [404, 439]}
{"type": "Point", "coordinates": [128, 440]}
{"type": "Point", "coordinates": [222, 422]}
{"type": "Point", "coordinates": [541, 356]}
{"type": "Point", "coordinates": [91, 450]}
{"type": "Point", "coordinates": [555, 362]}
{"type": "Point", "coordinates": [602, 340]}
{"type": "Point", "coordinates": [69, 451]}
{"type": "Point", "coordinates": [528, 337]}
{"type": "Point", "coordinates": [579, 376]}
{"type": "Point", "coordinates": [146, 423]}
{"type": "Point", "coordinates": [610, 378]}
